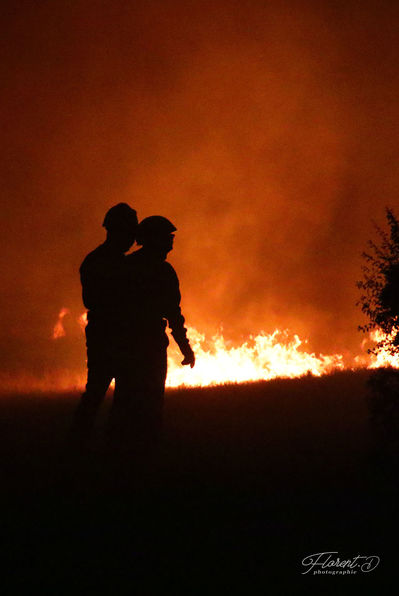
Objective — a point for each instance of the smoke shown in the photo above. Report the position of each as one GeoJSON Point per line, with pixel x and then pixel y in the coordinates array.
{"type": "Point", "coordinates": [267, 132]}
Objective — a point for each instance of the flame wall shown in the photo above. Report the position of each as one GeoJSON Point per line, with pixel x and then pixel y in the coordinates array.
{"type": "Point", "coordinates": [266, 131]}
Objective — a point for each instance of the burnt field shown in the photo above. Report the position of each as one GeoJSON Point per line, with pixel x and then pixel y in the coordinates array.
{"type": "Point", "coordinates": [250, 480]}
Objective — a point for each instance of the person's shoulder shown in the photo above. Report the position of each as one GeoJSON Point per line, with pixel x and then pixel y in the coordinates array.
{"type": "Point", "coordinates": [168, 267]}
{"type": "Point", "coordinates": [93, 257]}
{"type": "Point", "coordinates": [169, 271]}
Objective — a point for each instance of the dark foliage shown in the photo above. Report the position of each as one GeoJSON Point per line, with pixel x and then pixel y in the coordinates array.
{"type": "Point", "coordinates": [383, 402]}
{"type": "Point", "coordinates": [380, 286]}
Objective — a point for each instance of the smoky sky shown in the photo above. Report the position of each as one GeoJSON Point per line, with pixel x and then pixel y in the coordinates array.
{"type": "Point", "coordinates": [266, 131]}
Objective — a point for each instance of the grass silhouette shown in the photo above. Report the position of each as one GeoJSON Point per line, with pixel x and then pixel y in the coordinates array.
{"type": "Point", "coordinates": [251, 478]}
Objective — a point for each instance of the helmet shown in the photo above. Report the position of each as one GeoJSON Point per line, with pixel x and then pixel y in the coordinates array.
{"type": "Point", "coordinates": [120, 216]}
{"type": "Point", "coordinates": [153, 227]}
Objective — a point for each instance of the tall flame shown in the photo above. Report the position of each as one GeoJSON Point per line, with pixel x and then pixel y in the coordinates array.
{"type": "Point", "coordinates": [83, 321]}
{"type": "Point", "coordinates": [263, 357]}
{"type": "Point", "coordinates": [383, 358]}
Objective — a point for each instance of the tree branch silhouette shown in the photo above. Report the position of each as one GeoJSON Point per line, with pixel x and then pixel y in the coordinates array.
{"type": "Point", "coordinates": [379, 300]}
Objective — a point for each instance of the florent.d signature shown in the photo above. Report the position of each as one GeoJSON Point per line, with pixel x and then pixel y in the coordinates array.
{"type": "Point", "coordinates": [328, 563]}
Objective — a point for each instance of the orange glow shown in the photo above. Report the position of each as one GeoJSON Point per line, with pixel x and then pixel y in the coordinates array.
{"type": "Point", "coordinates": [59, 330]}
{"type": "Point", "coordinates": [265, 131]}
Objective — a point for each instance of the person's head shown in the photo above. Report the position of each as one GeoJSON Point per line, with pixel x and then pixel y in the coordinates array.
{"type": "Point", "coordinates": [156, 233]}
{"type": "Point", "coordinates": [121, 224]}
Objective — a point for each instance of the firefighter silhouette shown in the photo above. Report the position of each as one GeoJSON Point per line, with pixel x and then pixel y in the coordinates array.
{"type": "Point", "coordinates": [102, 275]}
{"type": "Point", "coordinates": [153, 302]}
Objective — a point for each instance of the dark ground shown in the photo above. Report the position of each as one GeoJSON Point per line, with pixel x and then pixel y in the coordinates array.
{"type": "Point", "coordinates": [251, 479]}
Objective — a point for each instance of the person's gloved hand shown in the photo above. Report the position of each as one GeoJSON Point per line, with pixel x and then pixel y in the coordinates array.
{"type": "Point", "coordinates": [189, 356]}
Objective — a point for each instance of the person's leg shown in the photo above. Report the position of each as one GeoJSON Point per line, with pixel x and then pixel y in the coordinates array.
{"type": "Point", "coordinates": [118, 428]}
{"type": "Point", "coordinates": [147, 398]}
{"type": "Point", "coordinates": [153, 398]}
{"type": "Point", "coordinates": [98, 382]}
{"type": "Point", "coordinates": [135, 421]}
{"type": "Point", "coordinates": [99, 376]}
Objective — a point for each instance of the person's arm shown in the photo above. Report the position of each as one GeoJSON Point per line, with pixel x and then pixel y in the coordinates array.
{"type": "Point", "coordinates": [89, 286]}
{"type": "Point", "coordinates": [176, 320]}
